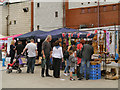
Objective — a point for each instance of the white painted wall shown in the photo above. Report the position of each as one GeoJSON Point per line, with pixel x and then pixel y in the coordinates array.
{"type": "Point", "coordinates": [77, 3]}
{"type": "Point", "coordinates": [44, 16]}
{"type": "Point", "coordinates": [4, 21]}
{"type": "Point", "coordinates": [23, 19]}
{"type": "Point", "coordinates": [0, 19]}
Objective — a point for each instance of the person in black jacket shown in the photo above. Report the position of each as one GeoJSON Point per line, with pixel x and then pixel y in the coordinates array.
{"type": "Point", "coordinates": [12, 52]}
{"type": "Point", "coordinates": [19, 48]}
{"type": "Point", "coordinates": [87, 52]}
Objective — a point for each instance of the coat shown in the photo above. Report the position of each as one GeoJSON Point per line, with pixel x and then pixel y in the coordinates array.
{"type": "Point", "coordinates": [87, 51]}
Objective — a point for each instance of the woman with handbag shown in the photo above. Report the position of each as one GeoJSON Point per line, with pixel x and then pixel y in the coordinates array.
{"type": "Point", "coordinates": [57, 55]}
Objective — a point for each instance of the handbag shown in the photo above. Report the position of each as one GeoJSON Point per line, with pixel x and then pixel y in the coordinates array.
{"type": "Point", "coordinates": [43, 63]}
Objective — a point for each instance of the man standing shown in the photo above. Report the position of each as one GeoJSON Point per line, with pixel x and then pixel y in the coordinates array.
{"type": "Point", "coordinates": [19, 48]}
{"type": "Point", "coordinates": [32, 53]}
{"type": "Point", "coordinates": [46, 50]}
{"type": "Point", "coordinates": [87, 52]}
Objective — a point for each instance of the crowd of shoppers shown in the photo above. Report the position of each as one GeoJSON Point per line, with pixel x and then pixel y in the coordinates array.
{"type": "Point", "coordinates": [59, 53]}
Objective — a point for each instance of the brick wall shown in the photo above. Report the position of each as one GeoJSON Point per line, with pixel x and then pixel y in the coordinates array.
{"type": "Point", "coordinates": [108, 16]}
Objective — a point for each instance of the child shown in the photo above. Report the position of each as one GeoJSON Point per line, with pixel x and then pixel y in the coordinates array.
{"type": "Point", "coordinates": [72, 64]}
{"type": "Point", "coordinates": [3, 57]}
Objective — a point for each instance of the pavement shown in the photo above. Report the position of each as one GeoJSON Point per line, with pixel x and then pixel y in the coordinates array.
{"type": "Point", "coordinates": [25, 80]}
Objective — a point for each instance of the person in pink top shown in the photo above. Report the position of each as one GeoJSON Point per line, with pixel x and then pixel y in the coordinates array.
{"type": "Point", "coordinates": [79, 47]}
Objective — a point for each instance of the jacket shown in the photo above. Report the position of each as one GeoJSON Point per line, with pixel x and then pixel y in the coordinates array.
{"type": "Point", "coordinates": [87, 51]}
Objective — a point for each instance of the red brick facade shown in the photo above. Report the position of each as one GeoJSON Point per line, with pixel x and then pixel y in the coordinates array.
{"type": "Point", "coordinates": [109, 15]}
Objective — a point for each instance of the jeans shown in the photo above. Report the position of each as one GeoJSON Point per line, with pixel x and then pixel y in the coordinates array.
{"type": "Point", "coordinates": [47, 65]}
{"type": "Point", "coordinates": [82, 68]}
{"type": "Point", "coordinates": [67, 66]}
{"type": "Point", "coordinates": [31, 64]}
{"type": "Point", "coordinates": [3, 63]}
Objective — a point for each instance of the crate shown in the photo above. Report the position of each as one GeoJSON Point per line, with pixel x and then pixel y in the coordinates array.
{"type": "Point", "coordinates": [95, 75]}
{"type": "Point", "coordinates": [94, 72]}
{"type": "Point", "coordinates": [95, 66]}
{"type": "Point", "coordinates": [95, 78]}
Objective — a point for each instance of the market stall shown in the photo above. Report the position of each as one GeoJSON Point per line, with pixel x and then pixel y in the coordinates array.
{"type": "Point", "coordinates": [6, 41]}
{"type": "Point", "coordinates": [106, 52]}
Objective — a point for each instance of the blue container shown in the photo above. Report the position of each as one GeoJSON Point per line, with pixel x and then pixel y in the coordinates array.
{"type": "Point", "coordinates": [95, 78]}
{"type": "Point", "coordinates": [95, 66]}
{"type": "Point", "coordinates": [95, 72]}
{"type": "Point", "coordinates": [95, 75]}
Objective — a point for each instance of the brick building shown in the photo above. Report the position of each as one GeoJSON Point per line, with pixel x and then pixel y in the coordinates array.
{"type": "Point", "coordinates": [89, 16]}
{"type": "Point", "coordinates": [94, 14]}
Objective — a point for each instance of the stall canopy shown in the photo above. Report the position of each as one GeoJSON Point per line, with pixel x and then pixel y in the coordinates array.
{"type": "Point", "coordinates": [58, 33]}
{"type": "Point", "coordinates": [31, 34]}
{"type": "Point", "coordinates": [6, 38]}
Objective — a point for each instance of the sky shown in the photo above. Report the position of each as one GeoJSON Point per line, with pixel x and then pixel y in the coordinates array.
{"type": "Point", "coordinates": [64, 0]}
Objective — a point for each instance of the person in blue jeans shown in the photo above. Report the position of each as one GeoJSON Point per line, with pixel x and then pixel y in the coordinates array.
{"type": "Point", "coordinates": [87, 52]}
{"type": "Point", "coordinates": [32, 53]}
{"type": "Point", "coordinates": [3, 57]}
{"type": "Point", "coordinates": [67, 68]}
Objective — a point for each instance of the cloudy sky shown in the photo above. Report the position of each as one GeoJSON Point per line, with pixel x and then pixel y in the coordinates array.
{"type": "Point", "coordinates": [64, 0]}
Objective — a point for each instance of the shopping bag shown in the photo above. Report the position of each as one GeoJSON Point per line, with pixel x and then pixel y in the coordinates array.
{"type": "Point", "coordinates": [22, 60]}
{"type": "Point", "coordinates": [43, 63]}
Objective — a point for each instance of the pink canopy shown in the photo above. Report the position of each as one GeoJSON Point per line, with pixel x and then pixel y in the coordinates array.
{"type": "Point", "coordinates": [6, 38]}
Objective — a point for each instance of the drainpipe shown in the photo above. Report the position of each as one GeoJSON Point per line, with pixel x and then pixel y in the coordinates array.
{"type": "Point", "coordinates": [8, 19]}
{"type": "Point", "coordinates": [64, 13]}
{"type": "Point", "coordinates": [32, 15]}
{"type": "Point", "coordinates": [98, 13]}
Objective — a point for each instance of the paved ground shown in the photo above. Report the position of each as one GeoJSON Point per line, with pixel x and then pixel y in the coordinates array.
{"type": "Point", "coordinates": [25, 80]}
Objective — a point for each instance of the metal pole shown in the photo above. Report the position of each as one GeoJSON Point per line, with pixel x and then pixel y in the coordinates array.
{"type": "Point", "coordinates": [8, 20]}
{"type": "Point", "coordinates": [115, 39]}
{"type": "Point", "coordinates": [105, 55]}
{"type": "Point", "coordinates": [98, 13]}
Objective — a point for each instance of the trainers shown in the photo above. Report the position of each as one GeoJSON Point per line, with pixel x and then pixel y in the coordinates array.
{"type": "Point", "coordinates": [65, 74]}
{"type": "Point", "coordinates": [72, 79]}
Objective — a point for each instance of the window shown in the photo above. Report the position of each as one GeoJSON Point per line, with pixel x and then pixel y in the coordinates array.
{"type": "Point", "coordinates": [82, 11]}
{"type": "Point", "coordinates": [104, 8]}
{"type": "Point", "coordinates": [38, 4]}
{"type": "Point", "coordinates": [95, 9]}
{"type": "Point", "coordinates": [88, 10]}
{"type": "Point", "coordinates": [10, 23]}
{"type": "Point", "coordinates": [95, 1]}
{"type": "Point", "coordinates": [56, 14]}
{"type": "Point", "coordinates": [114, 7]}
{"type": "Point", "coordinates": [38, 27]}
{"type": "Point", "coordinates": [14, 21]}
{"type": "Point", "coordinates": [88, 2]}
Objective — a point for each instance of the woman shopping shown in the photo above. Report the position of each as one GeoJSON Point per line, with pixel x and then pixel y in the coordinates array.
{"type": "Point", "coordinates": [57, 55]}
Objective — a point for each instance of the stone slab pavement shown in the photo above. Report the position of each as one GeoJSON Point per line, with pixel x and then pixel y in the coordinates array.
{"type": "Point", "coordinates": [25, 80]}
